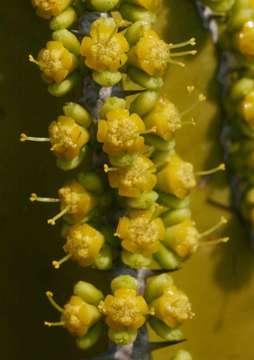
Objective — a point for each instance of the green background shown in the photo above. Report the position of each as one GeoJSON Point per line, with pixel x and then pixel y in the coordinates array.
{"type": "Point", "coordinates": [219, 281]}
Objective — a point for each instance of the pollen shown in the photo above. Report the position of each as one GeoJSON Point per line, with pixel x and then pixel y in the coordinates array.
{"type": "Point", "coordinates": [120, 132]}
{"type": "Point", "coordinates": [141, 234]}
{"type": "Point", "coordinates": [173, 307]}
{"type": "Point", "coordinates": [124, 309]}
{"type": "Point", "coordinates": [67, 137]}
{"type": "Point", "coordinates": [133, 180]}
{"type": "Point", "coordinates": [83, 244]}
{"type": "Point", "coordinates": [105, 48]}
{"type": "Point", "coordinates": [55, 62]}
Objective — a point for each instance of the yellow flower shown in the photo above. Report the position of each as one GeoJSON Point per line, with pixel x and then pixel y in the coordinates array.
{"type": "Point", "coordinates": [83, 244]}
{"type": "Point", "coordinates": [183, 238]}
{"type": "Point", "coordinates": [77, 200]}
{"type": "Point", "coordinates": [105, 48]}
{"type": "Point", "coordinates": [48, 8]}
{"type": "Point", "coordinates": [141, 234]}
{"type": "Point", "coordinates": [152, 5]}
{"type": "Point", "coordinates": [124, 310]}
{"type": "Point", "coordinates": [131, 181]}
{"type": "Point", "coordinates": [172, 307]}
{"type": "Point", "coordinates": [164, 118]}
{"type": "Point", "coordinates": [78, 316]}
{"type": "Point", "coordinates": [67, 137]}
{"type": "Point", "coordinates": [55, 62]}
{"type": "Point", "coordinates": [177, 177]}
{"type": "Point", "coordinates": [150, 54]}
{"type": "Point", "coordinates": [120, 132]}
{"type": "Point", "coordinates": [245, 39]}
{"type": "Point", "coordinates": [247, 108]}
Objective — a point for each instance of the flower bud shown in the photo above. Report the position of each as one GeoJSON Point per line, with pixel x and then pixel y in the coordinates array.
{"type": "Point", "coordinates": [78, 316]}
{"type": "Point", "coordinates": [79, 201]}
{"type": "Point", "coordinates": [173, 307]}
{"type": "Point", "coordinates": [182, 238]}
{"type": "Point", "coordinates": [55, 62]}
{"type": "Point", "coordinates": [84, 244]}
{"type": "Point", "coordinates": [164, 118]}
{"type": "Point", "coordinates": [176, 178]}
{"type": "Point", "coordinates": [150, 54]}
{"type": "Point", "coordinates": [67, 137]}
{"type": "Point", "coordinates": [48, 8]}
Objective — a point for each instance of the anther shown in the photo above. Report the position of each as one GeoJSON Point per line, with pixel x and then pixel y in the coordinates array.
{"type": "Point", "coordinates": [53, 220]}
{"type": "Point", "coordinates": [108, 169]}
{"type": "Point", "coordinates": [58, 263]}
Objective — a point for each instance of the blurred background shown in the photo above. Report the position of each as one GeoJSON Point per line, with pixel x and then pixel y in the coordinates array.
{"type": "Point", "coordinates": [218, 280]}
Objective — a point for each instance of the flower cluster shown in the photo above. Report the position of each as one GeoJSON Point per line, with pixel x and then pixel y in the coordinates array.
{"type": "Point", "coordinates": [125, 311]}
{"type": "Point", "coordinates": [131, 199]}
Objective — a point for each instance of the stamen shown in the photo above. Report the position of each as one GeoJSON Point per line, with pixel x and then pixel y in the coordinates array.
{"type": "Point", "coordinates": [34, 197]}
{"type": "Point", "coordinates": [191, 41]}
{"type": "Point", "coordinates": [108, 169]}
{"type": "Point", "coordinates": [221, 167]}
{"type": "Point", "coordinates": [50, 324]}
{"type": "Point", "coordinates": [189, 122]}
{"type": "Point", "coordinates": [201, 98]}
{"type": "Point", "coordinates": [222, 221]}
{"type": "Point", "coordinates": [215, 242]}
{"type": "Point", "coordinates": [24, 137]}
{"type": "Point", "coordinates": [179, 63]}
{"type": "Point", "coordinates": [58, 263]}
{"type": "Point", "coordinates": [183, 53]}
{"type": "Point", "coordinates": [149, 131]}
{"type": "Point", "coordinates": [33, 60]}
{"type": "Point", "coordinates": [50, 296]}
{"type": "Point", "coordinates": [52, 221]}
{"type": "Point", "coordinates": [116, 234]}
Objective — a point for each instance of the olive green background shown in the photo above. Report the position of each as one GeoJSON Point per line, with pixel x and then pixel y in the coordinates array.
{"type": "Point", "coordinates": [219, 281]}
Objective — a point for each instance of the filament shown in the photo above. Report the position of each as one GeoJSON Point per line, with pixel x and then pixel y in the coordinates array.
{"type": "Point", "coordinates": [149, 131]}
{"type": "Point", "coordinates": [220, 167]}
{"type": "Point", "coordinates": [50, 324]}
{"type": "Point", "coordinates": [222, 221]}
{"type": "Point", "coordinates": [33, 60]}
{"type": "Point", "coordinates": [189, 122]}
{"type": "Point", "coordinates": [183, 53]}
{"type": "Point", "coordinates": [179, 63]}
{"type": "Point", "coordinates": [35, 197]}
{"type": "Point", "coordinates": [200, 99]}
{"type": "Point", "coordinates": [191, 42]}
{"type": "Point", "coordinates": [58, 263]}
{"type": "Point", "coordinates": [50, 296]}
{"type": "Point", "coordinates": [53, 220]}
{"type": "Point", "coordinates": [24, 137]}
{"type": "Point", "coordinates": [215, 242]}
